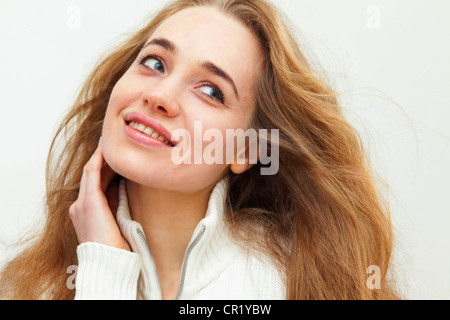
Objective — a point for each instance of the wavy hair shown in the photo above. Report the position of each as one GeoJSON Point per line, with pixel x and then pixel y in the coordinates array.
{"type": "Point", "coordinates": [320, 219]}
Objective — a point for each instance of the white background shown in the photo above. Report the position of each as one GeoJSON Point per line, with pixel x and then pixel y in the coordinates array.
{"type": "Point", "coordinates": [389, 60]}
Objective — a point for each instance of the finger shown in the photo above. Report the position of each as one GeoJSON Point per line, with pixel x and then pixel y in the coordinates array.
{"type": "Point", "coordinates": [82, 189]}
{"type": "Point", "coordinates": [92, 171]}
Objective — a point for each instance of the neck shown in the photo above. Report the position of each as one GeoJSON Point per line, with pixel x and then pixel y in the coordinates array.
{"type": "Point", "coordinates": [168, 219]}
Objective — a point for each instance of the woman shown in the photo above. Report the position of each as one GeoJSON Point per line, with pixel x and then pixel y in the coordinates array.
{"type": "Point", "coordinates": [140, 226]}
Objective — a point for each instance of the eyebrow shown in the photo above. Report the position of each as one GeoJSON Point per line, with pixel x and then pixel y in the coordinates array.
{"type": "Point", "coordinates": [206, 65]}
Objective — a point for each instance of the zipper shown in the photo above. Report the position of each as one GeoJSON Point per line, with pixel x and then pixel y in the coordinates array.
{"type": "Point", "coordinates": [185, 260]}
{"type": "Point", "coordinates": [142, 235]}
{"type": "Point", "coordinates": [184, 265]}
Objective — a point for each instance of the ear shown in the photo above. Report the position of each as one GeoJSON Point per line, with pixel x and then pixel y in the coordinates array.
{"type": "Point", "coordinates": [239, 167]}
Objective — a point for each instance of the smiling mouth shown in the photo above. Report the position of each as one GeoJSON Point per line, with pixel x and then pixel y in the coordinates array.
{"type": "Point", "coordinates": [149, 131]}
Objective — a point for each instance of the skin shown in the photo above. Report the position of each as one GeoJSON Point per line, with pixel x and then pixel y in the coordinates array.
{"type": "Point", "coordinates": [169, 200]}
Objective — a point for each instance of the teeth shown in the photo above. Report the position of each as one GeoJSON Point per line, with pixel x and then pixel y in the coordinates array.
{"type": "Point", "coordinates": [148, 131]}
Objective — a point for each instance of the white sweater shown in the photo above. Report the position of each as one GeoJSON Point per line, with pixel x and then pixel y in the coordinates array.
{"type": "Point", "coordinates": [213, 267]}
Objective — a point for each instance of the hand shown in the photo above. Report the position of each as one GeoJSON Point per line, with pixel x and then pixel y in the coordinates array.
{"type": "Point", "coordinates": [92, 213]}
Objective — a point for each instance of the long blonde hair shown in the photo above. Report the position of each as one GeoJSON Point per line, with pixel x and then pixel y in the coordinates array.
{"type": "Point", "coordinates": [320, 219]}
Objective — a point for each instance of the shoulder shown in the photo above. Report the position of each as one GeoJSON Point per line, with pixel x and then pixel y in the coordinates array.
{"type": "Point", "coordinates": [247, 277]}
{"type": "Point", "coordinates": [261, 275]}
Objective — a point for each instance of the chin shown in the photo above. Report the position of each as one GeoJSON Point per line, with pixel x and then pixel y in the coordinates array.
{"type": "Point", "coordinates": [160, 173]}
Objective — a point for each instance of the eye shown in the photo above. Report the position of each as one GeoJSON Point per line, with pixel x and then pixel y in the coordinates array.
{"type": "Point", "coordinates": [213, 92]}
{"type": "Point", "coordinates": [154, 63]}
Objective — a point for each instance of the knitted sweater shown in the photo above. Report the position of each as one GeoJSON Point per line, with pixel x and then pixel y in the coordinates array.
{"type": "Point", "coordinates": [213, 267]}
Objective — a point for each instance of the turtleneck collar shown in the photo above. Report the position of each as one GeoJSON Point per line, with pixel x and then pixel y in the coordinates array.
{"type": "Point", "coordinates": [210, 249]}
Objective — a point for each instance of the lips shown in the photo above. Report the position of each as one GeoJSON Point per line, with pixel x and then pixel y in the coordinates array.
{"type": "Point", "coordinates": [142, 123]}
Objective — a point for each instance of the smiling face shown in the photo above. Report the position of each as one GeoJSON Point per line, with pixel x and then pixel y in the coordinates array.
{"type": "Point", "coordinates": [198, 65]}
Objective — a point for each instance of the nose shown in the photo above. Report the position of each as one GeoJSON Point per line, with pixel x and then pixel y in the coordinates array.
{"type": "Point", "coordinates": [161, 101]}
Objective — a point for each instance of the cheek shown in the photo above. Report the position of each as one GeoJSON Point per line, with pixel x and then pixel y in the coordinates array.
{"type": "Point", "coordinates": [109, 124]}
{"type": "Point", "coordinates": [217, 142]}
{"type": "Point", "coordinates": [121, 98]}
{"type": "Point", "coordinates": [112, 137]}
{"type": "Point", "coordinates": [127, 91]}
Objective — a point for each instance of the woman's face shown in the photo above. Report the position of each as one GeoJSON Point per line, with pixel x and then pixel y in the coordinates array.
{"type": "Point", "coordinates": [199, 65]}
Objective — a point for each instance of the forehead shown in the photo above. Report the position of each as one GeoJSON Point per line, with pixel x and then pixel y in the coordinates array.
{"type": "Point", "coordinates": [204, 33]}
